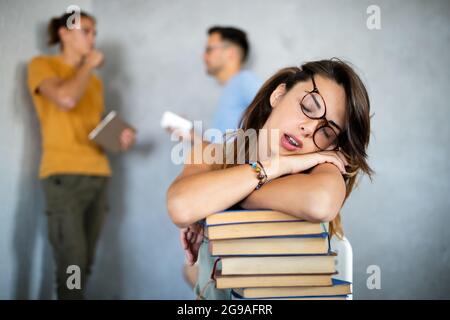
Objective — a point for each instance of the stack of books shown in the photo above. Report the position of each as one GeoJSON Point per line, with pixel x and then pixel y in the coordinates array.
{"type": "Point", "coordinates": [268, 254]}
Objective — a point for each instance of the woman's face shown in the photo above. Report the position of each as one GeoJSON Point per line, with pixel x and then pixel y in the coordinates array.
{"type": "Point", "coordinates": [288, 117]}
{"type": "Point", "coordinates": [82, 40]}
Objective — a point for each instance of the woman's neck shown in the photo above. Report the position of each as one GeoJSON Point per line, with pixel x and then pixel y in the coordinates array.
{"type": "Point", "coordinates": [71, 57]}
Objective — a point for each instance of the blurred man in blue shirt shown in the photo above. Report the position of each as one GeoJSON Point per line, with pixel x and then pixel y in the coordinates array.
{"type": "Point", "coordinates": [226, 52]}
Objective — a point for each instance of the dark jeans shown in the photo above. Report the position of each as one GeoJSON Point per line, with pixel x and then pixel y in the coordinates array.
{"type": "Point", "coordinates": [76, 206]}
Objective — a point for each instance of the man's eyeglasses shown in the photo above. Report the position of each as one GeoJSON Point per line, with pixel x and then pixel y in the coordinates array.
{"type": "Point", "coordinates": [314, 107]}
{"type": "Point", "coordinates": [210, 48]}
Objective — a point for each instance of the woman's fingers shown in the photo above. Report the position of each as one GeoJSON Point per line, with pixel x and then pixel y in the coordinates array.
{"type": "Point", "coordinates": [191, 240]}
{"type": "Point", "coordinates": [184, 241]}
{"type": "Point", "coordinates": [342, 157]}
{"type": "Point", "coordinates": [334, 159]}
{"type": "Point", "coordinates": [189, 257]}
{"type": "Point", "coordinates": [199, 238]}
{"type": "Point", "coordinates": [340, 162]}
{"type": "Point", "coordinates": [192, 253]}
{"type": "Point", "coordinates": [195, 248]}
{"type": "Point", "coordinates": [195, 228]}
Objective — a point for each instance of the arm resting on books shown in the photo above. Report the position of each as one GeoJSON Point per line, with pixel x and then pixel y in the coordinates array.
{"type": "Point", "coordinates": [199, 191]}
{"type": "Point", "coordinates": [316, 196]}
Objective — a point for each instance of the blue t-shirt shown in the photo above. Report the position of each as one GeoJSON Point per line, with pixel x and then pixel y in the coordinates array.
{"type": "Point", "coordinates": [236, 96]}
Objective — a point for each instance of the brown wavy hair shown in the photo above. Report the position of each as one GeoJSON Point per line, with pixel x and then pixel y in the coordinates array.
{"type": "Point", "coordinates": [353, 140]}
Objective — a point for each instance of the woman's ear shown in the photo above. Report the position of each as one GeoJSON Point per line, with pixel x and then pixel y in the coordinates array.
{"type": "Point", "coordinates": [62, 32]}
{"type": "Point", "coordinates": [277, 94]}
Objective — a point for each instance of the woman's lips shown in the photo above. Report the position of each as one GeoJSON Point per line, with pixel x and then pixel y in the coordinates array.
{"type": "Point", "coordinates": [290, 143]}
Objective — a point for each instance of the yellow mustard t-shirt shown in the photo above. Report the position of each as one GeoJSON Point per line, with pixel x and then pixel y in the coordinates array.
{"type": "Point", "coordinates": [66, 148]}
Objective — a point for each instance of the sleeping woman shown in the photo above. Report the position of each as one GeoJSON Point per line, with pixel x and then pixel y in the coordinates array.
{"type": "Point", "coordinates": [312, 127]}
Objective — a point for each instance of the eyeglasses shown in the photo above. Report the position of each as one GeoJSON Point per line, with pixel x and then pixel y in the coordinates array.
{"type": "Point", "coordinates": [210, 48]}
{"type": "Point", "coordinates": [313, 106]}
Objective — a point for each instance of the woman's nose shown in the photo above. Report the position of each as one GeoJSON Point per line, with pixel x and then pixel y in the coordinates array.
{"type": "Point", "coordinates": [308, 127]}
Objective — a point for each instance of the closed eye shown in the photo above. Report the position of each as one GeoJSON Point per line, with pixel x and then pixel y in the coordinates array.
{"type": "Point", "coordinates": [305, 108]}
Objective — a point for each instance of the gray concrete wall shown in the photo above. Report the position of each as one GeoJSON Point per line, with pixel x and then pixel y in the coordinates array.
{"type": "Point", "coordinates": [153, 63]}
{"type": "Point", "coordinates": [25, 257]}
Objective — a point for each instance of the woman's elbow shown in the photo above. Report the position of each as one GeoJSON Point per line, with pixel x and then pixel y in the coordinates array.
{"type": "Point", "coordinates": [66, 103]}
{"type": "Point", "coordinates": [64, 100]}
{"type": "Point", "coordinates": [324, 208]}
{"type": "Point", "coordinates": [178, 214]}
{"type": "Point", "coordinates": [322, 217]}
{"type": "Point", "coordinates": [178, 211]}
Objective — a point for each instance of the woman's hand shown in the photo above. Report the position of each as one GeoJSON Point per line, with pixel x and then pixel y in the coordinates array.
{"type": "Point", "coordinates": [302, 195]}
{"type": "Point", "coordinates": [191, 239]}
{"type": "Point", "coordinates": [300, 163]}
{"type": "Point", "coordinates": [291, 164]}
{"type": "Point", "coordinates": [94, 59]}
{"type": "Point", "coordinates": [127, 139]}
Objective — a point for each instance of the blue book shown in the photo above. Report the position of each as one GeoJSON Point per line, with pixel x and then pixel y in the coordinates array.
{"type": "Point", "coordinates": [338, 289]}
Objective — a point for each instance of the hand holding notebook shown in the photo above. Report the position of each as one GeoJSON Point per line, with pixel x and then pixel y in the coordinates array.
{"type": "Point", "coordinates": [109, 133]}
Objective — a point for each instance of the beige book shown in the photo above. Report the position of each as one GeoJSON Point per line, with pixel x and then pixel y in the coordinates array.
{"type": "Point", "coordinates": [269, 246]}
{"type": "Point", "coordinates": [278, 265]}
{"type": "Point", "coordinates": [254, 281]}
{"type": "Point", "coordinates": [243, 216]}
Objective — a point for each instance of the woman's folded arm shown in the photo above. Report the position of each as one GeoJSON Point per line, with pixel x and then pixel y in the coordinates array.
{"type": "Point", "coordinates": [200, 191]}
{"type": "Point", "coordinates": [314, 196]}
